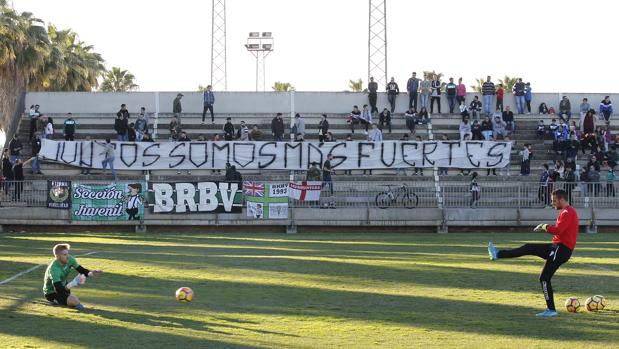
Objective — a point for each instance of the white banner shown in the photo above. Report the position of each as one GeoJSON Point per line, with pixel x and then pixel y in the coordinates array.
{"type": "Point", "coordinates": [281, 155]}
{"type": "Point", "coordinates": [305, 191]}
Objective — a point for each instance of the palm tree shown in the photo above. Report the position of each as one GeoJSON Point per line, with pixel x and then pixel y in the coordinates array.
{"type": "Point", "coordinates": [480, 83]}
{"type": "Point", "coordinates": [508, 83]}
{"type": "Point", "coordinates": [282, 87]}
{"type": "Point", "coordinates": [117, 80]}
{"type": "Point", "coordinates": [356, 85]}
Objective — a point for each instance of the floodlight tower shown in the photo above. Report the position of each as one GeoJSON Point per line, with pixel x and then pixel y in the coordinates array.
{"type": "Point", "coordinates": [219, 79]}
{"type": "Point", "coordinates": [377, 42]}
{"type": "Point", "coordinates": [260, 45]}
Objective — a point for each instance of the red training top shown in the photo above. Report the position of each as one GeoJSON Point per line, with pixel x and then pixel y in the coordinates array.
{"type": "Point", "coordinates": [566, 230]}
{"type": "Point", "coordinates": [499, 94]}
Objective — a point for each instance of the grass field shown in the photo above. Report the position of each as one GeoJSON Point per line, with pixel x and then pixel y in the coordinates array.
{"type": "Point", "coordinates": [307, 291]}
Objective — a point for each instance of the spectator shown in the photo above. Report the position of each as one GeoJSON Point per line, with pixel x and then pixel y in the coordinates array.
{"type": "Point", "coordinates": [499, 129]}
{"type": "Point", "coordinates": [18, 173]}
{"type": "Point", "coordinates": [541, 130]}
{"type": "Point", "coordinates": [131, 134]}
{"type": "Point", "coordinates": [34, 119]}
{"type": "Point", "coordinates": [560, 169]}
{"type": "Point", "coordinates": [392, 91]}
{"type": "Point", "coordinates": [426, 89]}
{"type": "Point", "coordinates": [243, 132]}
{"type": "Point", "coordinates": [543, 109]}
{"type": "Point", "coordinates": [542, 193]}
{"type": "Point", "coordinates": [571, 149]}
{"type": "Point", "coordinates": [313, 173]}
{"type": "Point", "coordinates": [366, 118]}
{"type": "Point", "coordinates": [610, 182]}
{"type": "Point", "coordinates": [108, 160]}
{"type": "Point", "coordinates": [612, 157]}
{"type": "Point", "coordinates": [464, 110]}
{"type": "Point", "coordinates": [594, 181]}
{"type": "Point", "coordinates": [70, 126]}
{"type": "Point", "coordinates": [354, 118]}
{"type": "Point", "coordinates": [255, 134]}
{"type": "Point", "coordinates": [411, 120]}
{"type": "Point", "coordinates": [488, 91]}
{"type": "Point", "coordinates": [418, 170]}
{"type": "Point", "coordinates": [475, 191]}
{"type": "Point", "coordinates": [277, 127]}
{"type": "Point", "coordinates": [372, 94]}
{"type": "Point", "coordinates": [565, 109]}
{"type": "Point", "coordinates": [174, 128]}
{"type": "Point", "coordinates": [476, 131]}
{"type": "Point", "coordinates": [508, 117]}
{"type": "Point", "coordinates": [552, 128]}
{"type": "Point", "coordinates": [499, 97]}
{"type": "Point", "coordinates": [208, 101]}
{"type": "Point", "coordinates": [606, 108]}
{"type": "Point", "coordinates": [323, 128]}
{"type": "Point", "coordinates": [443, 171]}
{"type": "Point", "coordinates": [299, 125]}
{"type": "Point", "coordinates": [451, 91]}
{"type": "Point", "coordinates": [184, 137]}
{"type": "Point", "coordinates": [36, 148]}
{"type": "Point", "coordinates": [228, 129]}
{"type": "Point", "coordinates": [177, 108]}
{"type": "Point", "coordinates": [145, 115]}
{"type": "Point", "coordinates": [384, 119]}
{"type": "Point", "coordinates": [584, 108]}
{"type": "Point", "coordinates": [465, 128]}
{"type": "Point", "coordinates": [588, 123]}
{"type": "Point", "coordinates": [7, 171]}
{"type": "Point", "coordinates": [436, 94]}
{"type": "Point", "coordinates": [525, 165]}
{"type": "Point", "coordinates": [147, 138]}
{"type": "Point", "coordinates": [15, 147]}
{"type": "Point", "coordinates": [121, 125]}
{"type": "Point", "coordinates": [519, 92]}
{"type": "Point", "coordinates": [412, 87]}
{"type": "Point", "coordinates": [594, 163]}
{"type": "Point", "coordinates": [423, 116]}
{"type": "Point", "coordinates": [330, 137]}
{"type": "Point", "coordinates": [49, 128]}
{"type": "Point", "coordinates": [487, 128]}
{"type": "Point", "coordinates": [528, 96]}
{"type": "Point", "coordinates": [475, 108]}
{"type": "Point", "coordinates": [141, 127]}
{"type": "Point", "coordinates": [233, 175]}
{"type": "Point", "coordinates": [607, 136]}
{"type": "Point", "coordinates": [461, 95]}
{"type": "Point", "coordinates": [376, 134]}
{"type": "Point", "coordinates": [327, 171]}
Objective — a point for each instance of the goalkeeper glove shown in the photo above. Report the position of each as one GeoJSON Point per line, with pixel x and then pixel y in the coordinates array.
{"type": "Point", "coordinates": [77, 281]}
{"type": "Point", "coordinates": [540, 227]}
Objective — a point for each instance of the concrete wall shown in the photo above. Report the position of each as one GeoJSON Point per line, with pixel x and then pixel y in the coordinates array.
{"type": "Point", "coordinates": [255, 102]}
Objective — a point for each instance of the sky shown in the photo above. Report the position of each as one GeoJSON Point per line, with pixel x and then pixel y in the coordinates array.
{"type": "Point", "coordinates": [559, 46]}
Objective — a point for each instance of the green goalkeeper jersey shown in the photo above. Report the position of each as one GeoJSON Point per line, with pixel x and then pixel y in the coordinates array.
{"type": "Point", "coordinates": [57, 272]}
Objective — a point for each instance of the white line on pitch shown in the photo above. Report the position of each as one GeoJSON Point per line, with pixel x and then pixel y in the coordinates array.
{"type": "Point", "coordinates": [35, 268]}
{"type": "Point", "coordinates": [599, 267]}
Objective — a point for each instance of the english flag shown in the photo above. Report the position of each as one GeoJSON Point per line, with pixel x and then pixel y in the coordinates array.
{"type": "Point", "coordinates": [305, 191]}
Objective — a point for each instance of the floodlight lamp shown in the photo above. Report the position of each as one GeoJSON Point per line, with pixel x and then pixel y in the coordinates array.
{"type": "Point", "coordinates": [254, 34]}
{"type": "Point", "coordinates": [267, 47]}
{"type": "Point", "coordinates": [266, 34]}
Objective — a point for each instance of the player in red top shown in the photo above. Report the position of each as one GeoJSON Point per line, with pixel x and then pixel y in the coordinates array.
{"type": "Point", "coordinates": [565, 233]}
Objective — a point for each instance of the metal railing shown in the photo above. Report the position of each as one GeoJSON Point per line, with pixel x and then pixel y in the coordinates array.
{"type": "Point", "coordinates": [393, 194]}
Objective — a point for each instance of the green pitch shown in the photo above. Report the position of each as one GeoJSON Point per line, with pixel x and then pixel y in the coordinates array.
{"type": "Point", "coordinates": [307, 291]}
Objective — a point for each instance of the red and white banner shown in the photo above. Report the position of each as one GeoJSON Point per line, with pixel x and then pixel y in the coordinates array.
{"type": "Point", "coordinates": [305, 191]}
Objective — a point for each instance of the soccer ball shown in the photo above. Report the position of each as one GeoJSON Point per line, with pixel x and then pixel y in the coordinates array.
{"type": "Point", "coordinates": [595, 303]}
{"type": "Point", "coordinates": [184, 295]}
{"type": "Point", "coordinates": [572, 304]}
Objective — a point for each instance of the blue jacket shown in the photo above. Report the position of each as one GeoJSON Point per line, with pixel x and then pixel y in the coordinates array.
{"type": "Point", "coordinates": [527, 93]}
{"type": "Point", "coordinates": [209, 97]}
{"type": "Point", "coordinates": [606, 108]}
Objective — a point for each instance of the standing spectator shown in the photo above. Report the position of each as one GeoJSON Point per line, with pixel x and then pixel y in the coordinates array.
{"type": "Point", "coordinates": [584, 108]}
{"type": "Point", "coordinates": [411, 120]}
{"type": "Point", "coordinates": [392, 92]}
{"type": "Point", "coordinates": [528, 96]}
{"type": "Point", "coordinates": [49, 127]}
{"type": "Point", "coordinates": [436, 94]}
{"type": "Point", "coordinates": [36, 148]}
{"type": "Point", "coordinates": [519, 92]}
{"type": "Point", "coordinates": [373, 94]}
{"type": "Point", "coordinates": [366, 118]}
{"type": "Point", "coordinates": [542, 192]}
{"type": "Point", "coordinates": [277, 127]}
{"type": "Point", "coordinates": [451, 91]}
{"type": "Point", "coordinates": [299, 124]}
{"type": "Point", "coordinates": [412, 87]}
{"type": "Point", "coordinates": [145, 115]}
{"type": "Point", "coordinates": [610, 182]}
{"type": "Point", "coordinates": [7, 171]}
{"type": "Point", "coordinates": [109, 157]}
{"type": "Point", "coordinates": [34, 119]}
{"type": "Point", "coordinates": [70, 127]}
{"type": "Point", "coordinates": [525, 165]}
{"type": "Point", "coordinates": [208, 100]}
{"type": "Point", "coordinates": [123, 112]}
{"type": "Point", "coordinates": [327, 171]}
{"type": "Point", "coordinates": [475, 108]}
{"type": "Point", "coordinates": [323, 128]}
{"type": "Point", "coordinates": [606, 108]}
{"type": "Point", "coordinates": [141, 127]}
{"type": "Point", "coordinates": [488, 91]}
{"type": "Point", "coordinates": [465, 128]}
{"type": "Point", "coordinates": [426, 89]}
{"type": "Point", "coordinates": [255, 134]}
{"type": "Point", "coordinates": [385, 119]}
{"type": "Point", "coordinates": [461, 96]}
{"type": "Point", "coordinates": [121, 125]}
{"type": "Point", "coordinates": [594, 181]}
{"type": "Point", "coordinates": [508, 117]}
{"type": "Point", "coordinates": [243, 132]}
{"type": "Point", "coordinates": [15, 147]}
{"type": "Point", "coordinates": [499, 97]}
{"type": "Point", "coordinates": [174, 128]}
{"type": "Point", "coordinates": [177, 108]}
{"type": "Point", "coordinates": [228, 129]}
{"type": "Point", "coordinates": [376, 134]}
{"type": "Point", "coordinates": [18, 173]}
{"type": "Point", "coordinates": [487, 128]}
{"type": "Point", "coordinates": [313, 173]}
{"type": "Point", "coordinates": [475, 190]}
{"type": "Point", "coordinates": [565, 109]}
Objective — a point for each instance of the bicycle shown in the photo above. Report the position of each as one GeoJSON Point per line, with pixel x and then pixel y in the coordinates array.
{"type": "Point", "coordinates": [402, 195]}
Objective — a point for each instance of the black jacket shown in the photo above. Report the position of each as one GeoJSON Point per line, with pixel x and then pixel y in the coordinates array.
{"type": "Point", "coordinates": [323, 126]}
{"type": "Point", "coordinates": [121, 125]}
{"type": "Point", "coordinates": [124, 113]}
{"type": "Point", "coordinates": [15, 146]}
{"type": "Point", "coordinates": [7, 169]}
{"type": "Point", "coordinates": [36, 146]}
{"type": "Point", "coordinates": [277, 126]}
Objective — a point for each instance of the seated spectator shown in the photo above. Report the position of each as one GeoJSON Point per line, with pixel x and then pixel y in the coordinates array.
{"type": "Point", "coordinates": [588, 123]}
{"type": "Point", "coordinates": [385, 119]}
{"type": "Point", "coordinates": [560, 139]}
{"type": "Point", "coordinates": [228, 129]}
{"type": "Point", "coordinates": [131, 134]}
{"type": "Point", "coordinates": [508, 117]}
{"type": "Point", "coordinates": [594, 163]}
{"type": "Point", "coordinates": [475, 108]}
{"type": "Point", "coordinates": [543, 109]}
{"type": "Point", "coordinates": [147, 138]}
{"type": "Point", "coordinates": [560, 169]}
{"type": "Point", "coordinates": [565, 109]}
{"type": "Point", "coordinates": [499, 129]}
{"type": "Point", "coordinates": [376, 134]}
{"type": "Point", "coordinates": [141, 127]}
{"type": "Point", "coordinates": [174, 128]}
{"type": "Point", "coordinates": [298, 137]}
{"type": "Point", "coordinates": [584, 108]}
{"type": "Point", "coordinates": [551, 110]}
{"type": "Point", "coordinates": [464, 110]}
{"type": "Point", "coordinates": [487, 128]}
{"type": "Point", "coordinates": [476, 131]}
{"type": "Point", "coordinates": [255, 134]}
{"type": "Point", "coordinates": [242, 132]}
{"type": "Point", "coordinates": [571, 149]}
{"type": "Point", "coordinates": [411, 120]}
{"type": "Point", "coordinates": [552, 128]}
{"type": "Point", "coordinates": [183, 137]}
{"type": "Point", "coordinates": [366, 116]}
{"type": "Point", "coordinates": [541, 130]}
{"type": "Point", "coordinates": [607, 136]}
{"type": "Point", "coordinates": [612, 157]}
{"type": "Point", "coordinates": [201, 138]}
{"type": "Point", "coordinates": [355, 119]}
{"type": "Point", "coordinates": [606, 108]}
{"type": "Point", "coordinates": [465, 128]}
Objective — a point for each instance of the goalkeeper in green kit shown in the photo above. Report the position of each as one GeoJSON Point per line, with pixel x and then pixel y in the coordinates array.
{"type": "Point", "coordinates": [56, 288]}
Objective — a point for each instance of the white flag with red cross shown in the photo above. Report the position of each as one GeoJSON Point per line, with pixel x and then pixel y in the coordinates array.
{"type": "Point", "coordinates": [305, 191]}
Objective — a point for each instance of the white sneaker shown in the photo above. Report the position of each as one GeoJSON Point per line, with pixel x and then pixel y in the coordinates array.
{"type": "Point", "coordinates": [365, 133]}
